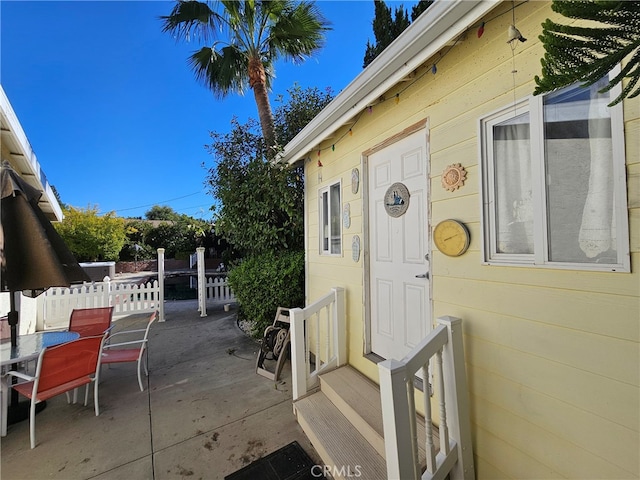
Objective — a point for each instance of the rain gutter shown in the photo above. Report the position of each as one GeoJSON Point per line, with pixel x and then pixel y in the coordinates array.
{"type": "Point", "coordinates": [440, 25]}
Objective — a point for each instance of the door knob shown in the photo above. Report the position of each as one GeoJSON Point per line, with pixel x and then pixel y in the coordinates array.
{"type": "Point", "coordinates": [424, 275]}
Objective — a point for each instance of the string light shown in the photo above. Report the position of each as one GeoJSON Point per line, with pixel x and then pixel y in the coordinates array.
{"type": "Point", "coordinates": [434, 69]}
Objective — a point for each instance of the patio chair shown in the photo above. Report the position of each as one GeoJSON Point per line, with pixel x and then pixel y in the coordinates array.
{"type": "Point", "coordinates": [61, 369]}
{"type": "Point", "coordinates": [115, 353]}
{"type": "Point", "coordinates": [90, 322]}
{"type": "Point", "coordinates": [275, 345]}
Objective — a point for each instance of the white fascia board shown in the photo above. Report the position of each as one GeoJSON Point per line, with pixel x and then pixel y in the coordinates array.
{"type": "Point", "coordinates": [25, 161]}
{"type": "Point", "coordinates": [442, 23]}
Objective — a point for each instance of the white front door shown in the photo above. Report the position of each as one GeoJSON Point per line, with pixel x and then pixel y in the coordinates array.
{"type": "Point", "coordinates": [399, 293]}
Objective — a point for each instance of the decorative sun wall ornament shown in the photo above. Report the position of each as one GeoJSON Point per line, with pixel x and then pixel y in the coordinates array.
{"type": "Point", "coordinates": [453, 177]}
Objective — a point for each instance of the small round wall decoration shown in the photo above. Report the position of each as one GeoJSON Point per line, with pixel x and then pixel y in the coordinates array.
{"type": "Point", "coordinates": [453, 177]}
{"type": "Point", "coordinates": [396, 200]}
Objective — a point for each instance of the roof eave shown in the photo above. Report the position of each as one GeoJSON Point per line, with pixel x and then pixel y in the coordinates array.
{"type": "Point", "coordinates": [443, 22]}
{"type": "Point", "coordinates": [23, 159]}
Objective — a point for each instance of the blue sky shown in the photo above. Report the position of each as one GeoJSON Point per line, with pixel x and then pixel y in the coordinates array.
{"type": "Point", "coordinates": [113, 112]}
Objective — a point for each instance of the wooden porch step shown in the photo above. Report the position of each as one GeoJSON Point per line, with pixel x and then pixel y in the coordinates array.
{"type": "Point", "coordinates": [358, 399]}
{"type": "Point", "coordinates": [338, 443]}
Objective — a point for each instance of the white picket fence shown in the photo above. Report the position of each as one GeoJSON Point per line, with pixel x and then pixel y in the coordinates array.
{"type": "Point", "coordinates": [218, 289]}
{"type": "Point", "coordinates": [214, 288]}
{"type": "Point", "coordinates": [126, 298]}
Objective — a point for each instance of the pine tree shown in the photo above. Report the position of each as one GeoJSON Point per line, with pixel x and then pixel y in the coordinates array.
{"type": "Point", "coordinates": [588, 53]}
{"type": "Point", "coordinates": [420, 7]}
{"type": "Point", "coordinates": [385, 29]}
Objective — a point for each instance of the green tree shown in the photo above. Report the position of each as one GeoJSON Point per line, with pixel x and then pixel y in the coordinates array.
{"type": "Point", "coordinates": [136, 231]}
{"type": "Point", "coordinates": [179, 238]}
{"type": "Point", "coordinates": [297, 108]}
{"type": "Point", "coordinates": [265, 282]}
{"type": "Point", "coordinates": [589, 52]}
{"type": "Point", "coordinates": [261, 203]}
{"type": "Point", "coordinates": [247, 37]}
{"type": "Point", "coordinates": [420, 7]}
{"type": "Point", "coordinates": [261, 209]}
{"type": "Point", "coordinates": [178, 234]}
{"type": "Point", "coordinates": [92, 237]}
{"type": "Point", "coordinates": [158, 212]}
{"type": "Point", "coordinates": [387, 27]}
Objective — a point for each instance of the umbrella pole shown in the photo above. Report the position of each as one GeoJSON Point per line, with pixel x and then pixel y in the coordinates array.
{"type": "Point", "coordinates": [13, 319]}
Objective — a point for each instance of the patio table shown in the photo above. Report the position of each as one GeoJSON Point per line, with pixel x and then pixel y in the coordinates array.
{"type": "Point", "coordinates": [28, 348]}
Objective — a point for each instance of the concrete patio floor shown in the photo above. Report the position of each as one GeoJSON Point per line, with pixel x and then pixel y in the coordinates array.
{"type": "Point", "coordinates": [204, 414]}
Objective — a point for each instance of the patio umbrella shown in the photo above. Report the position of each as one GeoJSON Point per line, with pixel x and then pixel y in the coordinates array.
{"type": "Point", "coordinates": [33, 256]}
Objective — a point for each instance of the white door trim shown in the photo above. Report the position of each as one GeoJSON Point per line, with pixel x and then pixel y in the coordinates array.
{"type": "Point", "coordinates": [421, 125]}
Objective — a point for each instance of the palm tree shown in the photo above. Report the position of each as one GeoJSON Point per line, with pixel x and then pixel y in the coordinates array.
{"type": "Point", "coordinates": [247, 38]}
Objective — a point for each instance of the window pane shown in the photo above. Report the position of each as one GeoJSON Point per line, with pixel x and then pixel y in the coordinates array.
{"type": "Point", "coordinates": [513, 195]}
{"type": "Point", "coordinates": [579, 166]}
{"type": "Point", "coordinates": [325, 222]}
{"type": "Point", "coordinates": [336, 218]}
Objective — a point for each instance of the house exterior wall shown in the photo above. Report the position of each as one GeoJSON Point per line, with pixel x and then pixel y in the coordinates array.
{"type": "Point", "coordinates": [552, 355]}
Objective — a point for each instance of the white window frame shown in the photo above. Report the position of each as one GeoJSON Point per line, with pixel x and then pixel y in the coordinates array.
{"type": "Point", "coordinates": [326, 190]}
{"type": "Point", "coordinates": [540, 258]}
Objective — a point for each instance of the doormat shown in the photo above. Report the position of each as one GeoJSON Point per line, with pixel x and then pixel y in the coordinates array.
{"type": "Point", "coordinates": [290, 462]}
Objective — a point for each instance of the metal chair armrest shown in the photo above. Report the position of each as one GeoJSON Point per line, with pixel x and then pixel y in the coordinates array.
{"type": "Point", "coordinates": [133, 342]}
{"type": "Point", "coordinates": [121, 332]}
{"type": "Point", "coordinates": [21, 375]}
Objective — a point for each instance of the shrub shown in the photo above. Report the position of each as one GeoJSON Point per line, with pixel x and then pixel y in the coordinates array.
{"type": "Point", "coordinates": [263, 283]}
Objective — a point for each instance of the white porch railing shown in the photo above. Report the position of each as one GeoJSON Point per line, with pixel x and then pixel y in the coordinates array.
{"type": "Point", "coordinates": [397, 392]}
{"type": "Point", "coordinates": [318, 340]}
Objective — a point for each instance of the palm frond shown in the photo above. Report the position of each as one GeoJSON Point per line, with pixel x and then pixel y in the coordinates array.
{"type": "Point", "coordinates": [223, 72]}
{"type": "Point", "coordinates": [299, 32]}
{"type": "Point", "coordinates": [256, 33]}
{"type": "Point", "coordinates": [190, 18]}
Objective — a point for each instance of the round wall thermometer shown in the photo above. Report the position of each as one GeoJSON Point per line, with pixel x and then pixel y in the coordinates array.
{"type": "Point", "coordinates": [451, 237]}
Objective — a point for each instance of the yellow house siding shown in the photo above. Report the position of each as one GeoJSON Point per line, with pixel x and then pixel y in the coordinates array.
{"type": "Point", "coordinates": [553, 355]}
{"type": "Point", "coordinates": [324, 271]}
